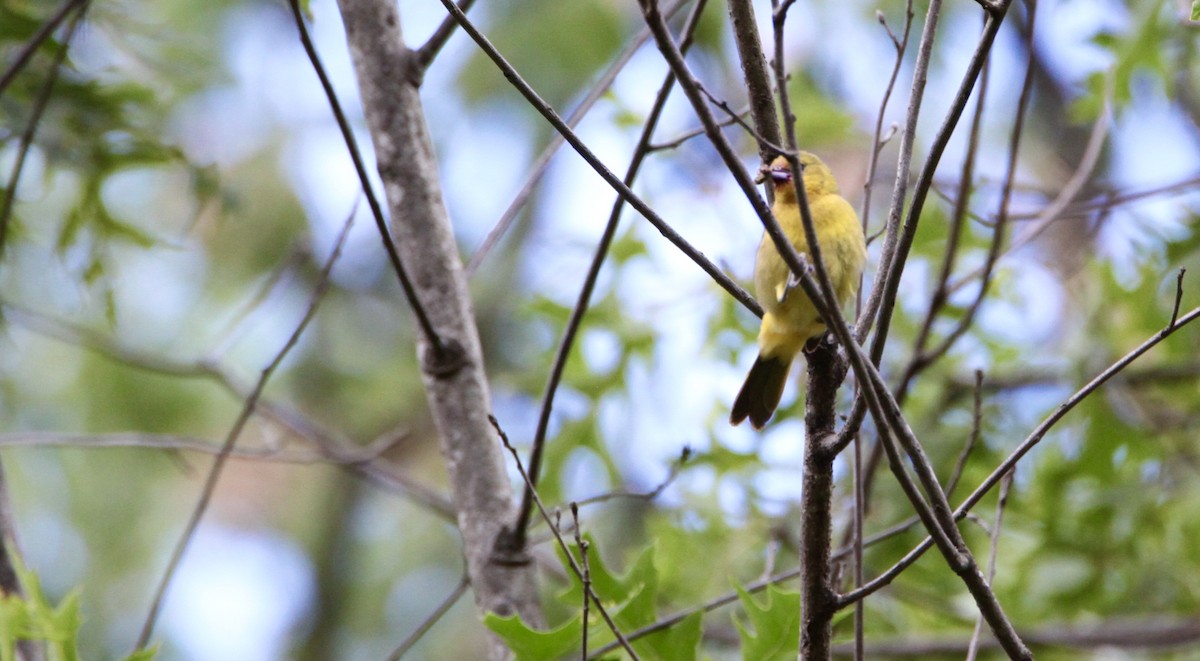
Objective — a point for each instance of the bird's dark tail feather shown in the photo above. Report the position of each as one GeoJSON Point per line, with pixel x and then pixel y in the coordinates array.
{"type": "Point", "coordinates": [760, 394]}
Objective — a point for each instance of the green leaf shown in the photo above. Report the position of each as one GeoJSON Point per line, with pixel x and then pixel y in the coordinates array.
{"type": "Point", "coordinates": [527, 643]}
{"type": "Point", "coordinates": [771, 631]}
{"type": "Point", "coordinates": [629, 600]}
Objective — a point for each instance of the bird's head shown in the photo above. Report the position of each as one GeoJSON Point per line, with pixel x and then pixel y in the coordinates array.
{"type": "Point", "coordinates": [818, 179]}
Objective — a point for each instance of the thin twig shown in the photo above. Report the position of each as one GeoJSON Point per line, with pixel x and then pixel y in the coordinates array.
{"type": "Point", "coordinates": [434, 617]}
{"type": "Point", "coordinates": [958, 218]}
{"type": "Point", "coordinates": [589, 283]}
{"type": "Point", "coordinates": [676, 467]}
{"type": "Point", "coordinates": [1001, 502]}
{"type": "Point", "coordinates": [900, 247]}
{"type": "Point", "coordinates": [972, 440]}
{"type": "Point", "coordinates": [22, 57]}
{"type": "Point", "coordinates": [1178, 296]}
{"type": "Point", "coordinates": [737, 119]}
{"type": "Point", "coordinates": [439, 346]}
{"type": "Point", "coordinates": [679, 140]}
{"type": "Point", "coordinates": [214, 473]}
{"type": "Point", "coordinates": [562, 544]}
{"type": "Point", "coordinates": [1057, 208]}
{"type": "Point", "coordinates": [1028, 444]}
{"type": "Point", "coordinates": [542, 163]}
{"type": "Point", "coordinates": [582, 544]}
{"type": "Point", "coordinates": [35, 117]}
{"type": "Point", "coordinates": [440, 36]}
{"type": "Point", "coordinates": [900, 187]}
{"type": "Point", "coordinates": [879, 140]}
{"type": "Point", "coordinates": [578, 145]}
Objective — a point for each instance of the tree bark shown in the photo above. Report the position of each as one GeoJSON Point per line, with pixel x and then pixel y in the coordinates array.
{"type": "Point", "coordinates": [389, 77]}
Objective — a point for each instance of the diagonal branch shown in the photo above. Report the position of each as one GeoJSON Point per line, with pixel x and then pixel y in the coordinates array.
{"type": "Point", "coordinates": [542, 163]}
{"type": "Point", "coordinates": [442, 351]}
{"type": "Point", "coordinates": [21, 59]}
{"type": "Point", "coordinates": [577, 144]}
{"type": "Point", "coordinates": [1028, 444]}
{"type": "Point", "coordinates": [581, 305]}
{"type": "Point", "coordinates": [35, 118]}
{"type": "Point", "coordinates": [231, 439]}
{"type": "Point", "coordinates": [440, 36]}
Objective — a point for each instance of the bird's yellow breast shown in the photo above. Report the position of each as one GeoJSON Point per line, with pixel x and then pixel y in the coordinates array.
{"type": "Point", "coordinates": [789, 323]}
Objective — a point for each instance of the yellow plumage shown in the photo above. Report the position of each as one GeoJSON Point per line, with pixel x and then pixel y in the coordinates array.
{"type": "Point", "coordinates": [791, 321]}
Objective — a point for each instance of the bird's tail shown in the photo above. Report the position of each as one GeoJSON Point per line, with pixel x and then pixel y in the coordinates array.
{"type": "Point", "coordinates": [760, 394]}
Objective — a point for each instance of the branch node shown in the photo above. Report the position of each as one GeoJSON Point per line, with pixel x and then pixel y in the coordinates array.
{"type": "Point", "coordinates": [447, 361]}
{"type": "Point", "coordinates": [508, 552]}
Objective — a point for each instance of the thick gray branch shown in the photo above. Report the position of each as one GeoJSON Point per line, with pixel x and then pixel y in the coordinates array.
{"type": "Point", "coordinates": [389, 78]}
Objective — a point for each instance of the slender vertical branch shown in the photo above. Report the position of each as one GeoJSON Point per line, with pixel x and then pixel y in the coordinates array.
{"type": "Point", "coordinates": [586, 579]}
{"type": "Point", "coordinates": [1001, 502]}
{"type": "Point", "coordinates": [439, 347]}
{"type": "Point", "coordinates": [755, 73]}
{"type": "Point", "coordinates": [817, 597]}
{"type": "Point", "coordinates": [877, 141]}
{"type": "Point", "coordinates": [903, 163]}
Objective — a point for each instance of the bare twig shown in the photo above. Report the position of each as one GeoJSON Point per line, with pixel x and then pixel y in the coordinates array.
{"type": "Point", "coordinates": [689, 135]}
{"type": "Point", "coordinates": [973, 647]}
{"type": "Point", "coordinates": [900, 187]}
{"type": "Point", "coordinates": [231, 438]}
{"type": "Point", "coordinates": [1178, 297]}
{"type": "Point", "coordinates": [22, 57]}
{"type": "Point", "coordinates": [35, 117]}
{"type": "Point", "coordinates": [879, 140]}
{"type": "Point", "coordinates": [893, 260]}
{"type": "Point", "coordinates": [586, 579]}
{"type": "Point", "coordinates": [434, 617]}
{"type": "Point", "coordinates": [578, 145]}
{"type": "Point", "coordinates": [676, 466]}
{"type": "Point", "coordinates": [439, 346]}
{"type": "Point", "coordinates": [585, 294]}
{"type": "Point", "coordinates": [736, 118]}
{"type": "Point", "coordinates": [1032, 440]}
{"type": "Point", "coordinates": [958, 219]}
{"type": "Point", "coordinates": [1057, 208]}
{"type": "Point", "coordinates": [440, 36]}
{"type": "Point", "coordinates": [542, 163]}
{"type": "Point", "coordinates": [562, 544]}
{"type": "Point", "coordinates": [972, 440]}
{"type": "Point", "coordinates": [1164, 633]}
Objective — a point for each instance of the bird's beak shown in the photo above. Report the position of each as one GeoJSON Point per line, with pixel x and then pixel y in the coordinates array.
{"type": "Point", "coordinates": [781, 176]}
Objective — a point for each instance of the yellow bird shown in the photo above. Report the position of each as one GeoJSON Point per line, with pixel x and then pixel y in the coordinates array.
{"type": "Point", "coordinates": [790, 320]}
